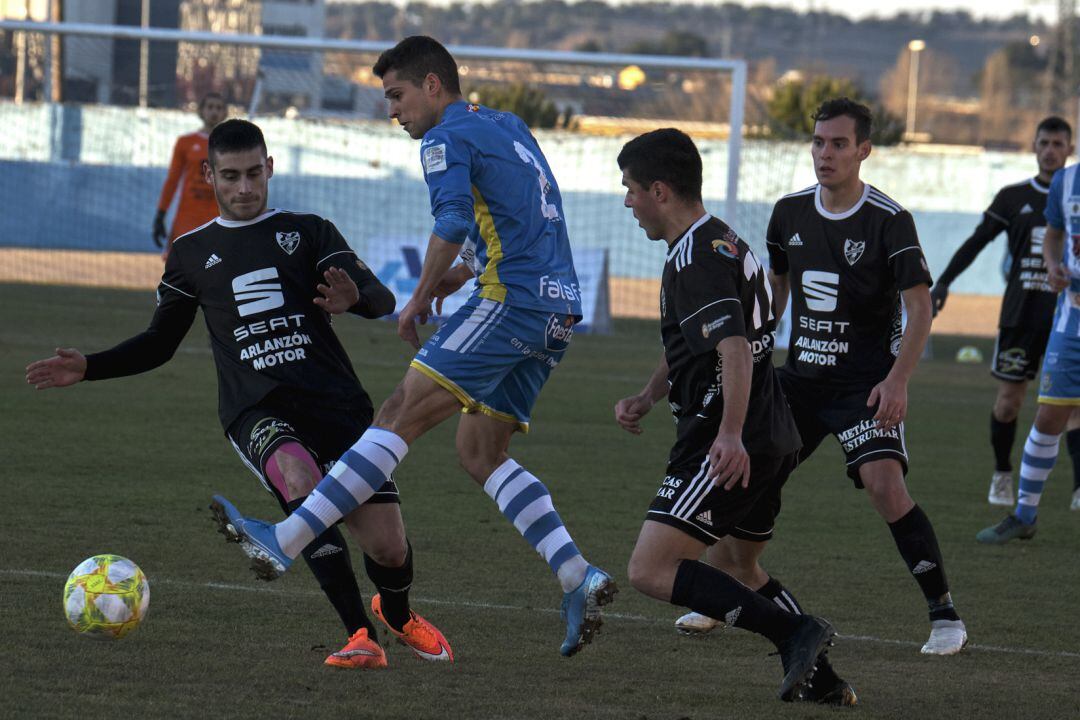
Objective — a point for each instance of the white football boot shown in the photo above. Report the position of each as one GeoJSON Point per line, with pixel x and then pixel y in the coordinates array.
{"type": "Point", "coordinates": [1001, 489]}
{"type": "Point", "coordinates": [693, 623]}
{"type": "Point", "coordinates": [947, 637]}
{"type": "Point", "coordinates": [1075, 504]}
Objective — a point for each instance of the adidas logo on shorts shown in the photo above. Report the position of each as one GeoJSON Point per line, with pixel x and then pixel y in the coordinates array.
{"type": "Point", "coordinates": [705, 518]}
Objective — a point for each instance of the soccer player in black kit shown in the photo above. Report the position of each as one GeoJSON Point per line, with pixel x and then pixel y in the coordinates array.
{"type": "Point", "coordinates": [288, 397]}
{"type": "Point", "coordinates": [846, 253]}
{"type": "Point", "coordinates": [736, 440]}
{"type": "Point", "coordinates": [1027, 309]}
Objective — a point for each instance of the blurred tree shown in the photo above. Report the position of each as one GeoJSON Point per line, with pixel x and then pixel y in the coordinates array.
{"type": "Point", "coordinates": [795, 100]}
{"type": "Point", "coordinates": [527, 102]}
{"type": "Point", "coordinates": [674, 42]}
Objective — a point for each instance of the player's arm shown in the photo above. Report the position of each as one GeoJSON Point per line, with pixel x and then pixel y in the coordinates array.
{"type": "Point", "coordinates": [1053, 253]}
{"type": "Point", "coordinates": [729, 463]}
{"type": "Point", "coordinates": [630, 410]}
{"type": "Point", "coordinates": [781, 291]}
{"type": "Point", "coordinates": [447, 168]}
{"type": "Point", "coordinates": [993, 223]}
{"type": "Point", "coordinates": [779, 279]}
{"type": "Point", "coordinates": [145, 351]}
{"type": "Point", "coordinates": [172, 180]}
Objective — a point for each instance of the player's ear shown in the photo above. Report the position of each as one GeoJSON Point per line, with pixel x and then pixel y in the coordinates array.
{"type": "Point", "coordinates": [432, 84]}
{"type": "Point", "coordinates": [269, 167]}
{"type": "Point", "coordinates": [864, 150]}
{"type": "Point", "coordinates": [208, 172]}
{"type": "Point", "coordinates": [658, 190]}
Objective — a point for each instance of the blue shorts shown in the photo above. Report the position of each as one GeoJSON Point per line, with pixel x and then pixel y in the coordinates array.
{"type": "Point", "coordinates": [494, 358]}
{"type": "Point", "coordinates": [1060, 383]}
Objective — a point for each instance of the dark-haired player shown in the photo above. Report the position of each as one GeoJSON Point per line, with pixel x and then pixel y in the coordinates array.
{"type": "Point", "coordinates": [1028, 306]}
{"type": "Point", "coordinates": [186, 172]}
{"type": "Point", "coordinates": [849, 258]}
{"type": "Point", "coordinates": [288, 397]}
{"type": "Point", "coordinates": [496, 203]}
{"type": "Point", "coordinates": [736, 441]}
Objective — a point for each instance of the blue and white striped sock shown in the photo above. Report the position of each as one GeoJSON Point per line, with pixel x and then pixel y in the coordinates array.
{"type": "Point", "coordinates": [360, 472]}
{"type": "Point", "coordinates": [525, 502]}
{"type": "Point", "coordinates": [1040, 454]}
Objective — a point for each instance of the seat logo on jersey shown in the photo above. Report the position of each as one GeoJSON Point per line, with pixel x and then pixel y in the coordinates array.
{"type": "Point", "coordinates": [255, 296]}
{"type": "Point", "coordinates": [289, 241]}
{"type": "Point", "coordinates": [820, 289]}
{"type": "Point", "coordinates": [853, 250]}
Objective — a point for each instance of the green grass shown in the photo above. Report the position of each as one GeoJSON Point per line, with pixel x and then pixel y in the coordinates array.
{"type": "Point", "coordinates": [128, 466]}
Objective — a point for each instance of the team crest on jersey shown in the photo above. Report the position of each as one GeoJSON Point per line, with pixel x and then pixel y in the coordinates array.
{"type": "Point", "coordinates": [289, 241]}
{"type": "Point", "coordinates": [473, 108]}
{"type": "Point", "coordinates": [853, 250]}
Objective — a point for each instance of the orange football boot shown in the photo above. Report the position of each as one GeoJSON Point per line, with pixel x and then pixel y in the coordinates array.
{"type": "Point", "coordinates": [360, 652]}
{"type": "Point", "coordinates": [420, 635]}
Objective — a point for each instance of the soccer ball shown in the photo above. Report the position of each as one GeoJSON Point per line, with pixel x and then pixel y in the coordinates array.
{"type": "Point", "coordinates": [106, 596]}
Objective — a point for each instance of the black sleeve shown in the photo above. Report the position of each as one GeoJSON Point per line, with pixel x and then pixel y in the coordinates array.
{"type": "Point", "coordinates": [994, 221]}
{"type": "Point", "coordinates": [153, 347]}
{"type": "Point", "coordinates": [774, 243]}
{"type": "Point", "coordinates": [905, 254]}
{"type": "Point", "coordinates": [376, 299]}
{"type": "Point", "coordinates": [707, 298]}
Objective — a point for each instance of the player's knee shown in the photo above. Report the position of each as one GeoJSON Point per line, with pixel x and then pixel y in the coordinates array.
{"type": "Point", "coordinates": [389, 552]}
{"type": "Point", "coordinates": [643, 576]}
{"type": "Point", "coordinates": [1007, 405]}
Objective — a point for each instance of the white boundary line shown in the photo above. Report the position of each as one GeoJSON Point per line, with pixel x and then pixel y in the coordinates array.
{"type": "Point", "coordinates": [229, 587]}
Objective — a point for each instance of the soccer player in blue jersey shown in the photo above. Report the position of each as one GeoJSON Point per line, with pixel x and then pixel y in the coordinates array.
{"type": "Point", "coordinates": [496, 204]}
{"type": "Point", "coordinates": [1059, 391]}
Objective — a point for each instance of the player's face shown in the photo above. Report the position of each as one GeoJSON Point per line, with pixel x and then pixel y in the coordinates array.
{"type": "Point", "coordinates": [414, 106]}
{"type": "Point", "coordinates": [643, 202]}
{"type": "Point", "coordinates": [837, 156]}
{"type": "Point", "coordinates": [212, 112]}
{"type": "Point", "coordinates": [1052, 150]}
{"type": "Point", "coordinates": [240, 182]}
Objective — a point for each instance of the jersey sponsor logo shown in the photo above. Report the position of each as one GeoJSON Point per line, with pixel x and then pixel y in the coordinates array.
{"type": "Point", "coordinates": [708, 327]}
{"type": "Point", "coordinates": [1012, 361]}
{"type": "Point", "coordinates": [255, 296]}
{"type": "Point", "coordinates": [435, 158]}
{"type": "Point", "coordinates": [288, 241]}
{"type": "Point", "coordinates": [668, 487]}
{"type": "Point", "coordinates": [211, 261]}
{"type": "Point", "coordinates": [821, 290]}
{"type": "Point", "coordinates": [795, 240]}
{"type": "Point", "coordinates": [726, 248]}
{"type": "Point", "coordinates": [853, 250]}
{"type": "Point", "coordinates": [857, 435]}
{"type": "Point", "coordinates": [556, 289]}
{"type": "Point", "coordinates": [558, 332]}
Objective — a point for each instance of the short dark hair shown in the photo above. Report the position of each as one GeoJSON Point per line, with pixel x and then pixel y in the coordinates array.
{"type": "Point", "coordinates": [1054, 124]}
{"type": "Point", "coordinates": [667, 155]}
{"type": "Point", "coordinates": [210, 96]}
{"type": "Point", "coordinates": [235, 135]}
{"type": "Point", "coordinates": [416, 56]}
{"type": "Point", "coordinates": [836, 107]}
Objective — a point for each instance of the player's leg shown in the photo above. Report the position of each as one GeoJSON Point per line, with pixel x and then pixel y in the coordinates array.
{"type": "Point", "coordinates": [388, 559]}
{"type": "Point", "coordinates": [1007, 404]}
{"type": "Point", "coordinates": [1040, 455]}
{"type": "Point", "coordinates": [483, 440]}
{"type": "Point", "coordinates": [1072, 441]}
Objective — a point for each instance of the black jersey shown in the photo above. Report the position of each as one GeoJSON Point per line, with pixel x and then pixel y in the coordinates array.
{"type": "Point", "coordinates": [1017, 209]}
{"type": "Point", "coordinates": [713, 288]}
{"type": "Point", "coordinates": [255, 281]}
{"type": "Point", "coordinates": [847, 271]}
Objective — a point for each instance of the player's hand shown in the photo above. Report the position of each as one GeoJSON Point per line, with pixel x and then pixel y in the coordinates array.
{"type": "Point", "coordinates": [938, 295]}
{"type": "Point", "coordinates": [1057, 276]}
{"type": "Point", "coordinates": [66, 367]}
{"type": "Point", "coordinates": [630, 410]}
{"type": "Point", "coordinates": [890, 396]}
{"type": "Point", "coordinates": [729, 463]}
{"type": "Point", "coordinates": [450, 283]}
{"type": "Point", "coordinates": [339, 293]}
{"type": "Point", "coordinates": [414, 310]}
{"type": "Point", "coordinates": [159, 229]}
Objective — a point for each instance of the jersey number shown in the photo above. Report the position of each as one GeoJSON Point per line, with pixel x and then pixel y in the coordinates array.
{"type": "Point", "coordinates": [548, 210]}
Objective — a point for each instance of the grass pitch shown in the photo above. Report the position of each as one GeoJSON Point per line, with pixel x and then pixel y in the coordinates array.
{"type": "Point", "coordinates": [128, 466]}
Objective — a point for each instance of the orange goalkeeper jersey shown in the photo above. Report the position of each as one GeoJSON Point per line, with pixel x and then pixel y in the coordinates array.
{"type": "Point", "coordinates": [197, 204]}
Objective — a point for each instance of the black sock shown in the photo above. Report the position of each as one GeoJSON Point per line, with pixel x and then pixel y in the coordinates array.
{"type": "Point", "coordinates": [915, 539]}
{"type": "Point", "coordinates": [328, 558]}
{"type": "Point", "coordinates": [1002, 437]}
{"type": "Point", "coordinates": [393, 585]}
{"type": "Point", "coordinates": [776, 593]}
{"type": "Point", "coordinates": [713, 593]}
{"type": "Point", "coordinates": [1072, 441]}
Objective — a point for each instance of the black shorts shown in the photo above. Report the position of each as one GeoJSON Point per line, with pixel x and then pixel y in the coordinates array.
{"type": "Point", "coordinates": [821, 411]}
{"type": "Point", "coordinates": [325, 431]}
{"type": "Point", "coordinates": [690, 502]}
{"type": "Point", "coordinates": [1018, 352]}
